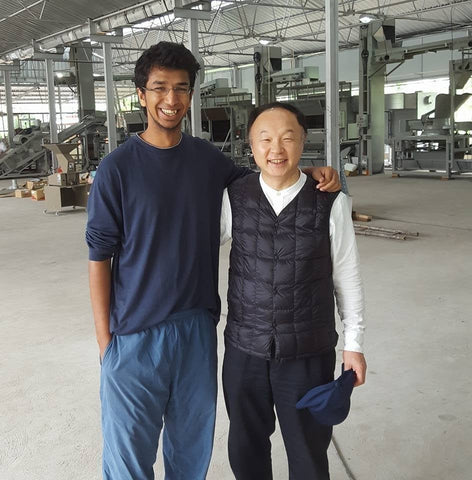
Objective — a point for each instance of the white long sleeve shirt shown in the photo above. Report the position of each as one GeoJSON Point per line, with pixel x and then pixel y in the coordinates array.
{"type": "Point", "coordinates": [347, 279]}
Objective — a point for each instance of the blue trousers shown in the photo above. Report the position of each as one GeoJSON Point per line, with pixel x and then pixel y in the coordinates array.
{"type": "Point", "coordinates": [161, 377]}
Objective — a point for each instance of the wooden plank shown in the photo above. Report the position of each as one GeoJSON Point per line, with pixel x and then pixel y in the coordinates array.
{"type": "Point", "coordinates": [360, 217]}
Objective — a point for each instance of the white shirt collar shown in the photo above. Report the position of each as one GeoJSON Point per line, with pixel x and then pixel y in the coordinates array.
{"type": "Point", "coordinates": [296, 187]}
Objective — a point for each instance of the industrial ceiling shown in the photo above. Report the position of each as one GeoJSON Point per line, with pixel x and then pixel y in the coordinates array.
{"type": "Point", "coordinates": [236, 26]}
{"type": "Point", "coordinates": [228, 38]}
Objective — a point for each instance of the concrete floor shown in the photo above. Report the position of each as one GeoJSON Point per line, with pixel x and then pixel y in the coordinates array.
{"type": "Point", "coordinates": [412, 419]}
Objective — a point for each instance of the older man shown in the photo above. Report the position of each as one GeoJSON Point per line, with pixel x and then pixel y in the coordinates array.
{"type": "Point", "coordinates": [293, 250]}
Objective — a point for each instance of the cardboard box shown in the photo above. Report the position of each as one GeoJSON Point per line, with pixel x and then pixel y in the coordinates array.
{"type": "Point", "coordinates": [35, 184]}
{"type": "Point", "coordinates": [63, 179]}
{"type": "Point", "coordinates": [83, 177]}
{"type": "Point", "coordinates": [350, 169]}
{"type": "Point", "coordinates": [22, 193]}
{"type": "Point", "coordinates": [37, 194]}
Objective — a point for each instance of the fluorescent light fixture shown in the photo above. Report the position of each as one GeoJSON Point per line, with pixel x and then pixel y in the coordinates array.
{"type": "Point", "coordinates": [215, 5]}
{"type": "Point", "coordinates": [269, 40]}
{"type": "Point", "coordinates": [366, 18]}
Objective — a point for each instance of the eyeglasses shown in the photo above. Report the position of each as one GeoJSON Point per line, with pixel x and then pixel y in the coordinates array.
{"type": "Point", "coordinates": [164, 91]}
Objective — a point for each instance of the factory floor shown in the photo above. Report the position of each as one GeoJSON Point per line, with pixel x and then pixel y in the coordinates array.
{"type": "Point", "coordinates": [411, 420]}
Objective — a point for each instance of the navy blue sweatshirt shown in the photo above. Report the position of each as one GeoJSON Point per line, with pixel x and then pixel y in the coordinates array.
{"type": "Point", "coordinates": [156, 212]}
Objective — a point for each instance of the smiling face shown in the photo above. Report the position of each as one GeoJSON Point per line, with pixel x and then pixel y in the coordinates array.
{"type": "Point", "coordinates": [165, 111]}
{"type": "Point", "coordinates": [277, 141]}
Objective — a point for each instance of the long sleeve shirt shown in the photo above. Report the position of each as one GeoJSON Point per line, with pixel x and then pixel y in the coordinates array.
{"type": "Point", "coordinates": [347, 279]}
{"type": "Point", "coordinates": [155, 212]}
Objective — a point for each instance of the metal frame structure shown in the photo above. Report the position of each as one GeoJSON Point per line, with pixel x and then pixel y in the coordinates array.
{"type": "Point", "coordinates": [440, 145]}
{"type": "Point", "coordinates": [228, 36]}
{"type": "Point", "coordinates": [332, 149]}
{"type": "Point", "coordinates": [224, 33]}
{"type": "Point", "coordinates": [379, 48]}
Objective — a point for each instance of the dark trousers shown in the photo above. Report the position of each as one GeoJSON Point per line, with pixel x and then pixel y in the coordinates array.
{"type": "Point", "coordinates": [252, 387]}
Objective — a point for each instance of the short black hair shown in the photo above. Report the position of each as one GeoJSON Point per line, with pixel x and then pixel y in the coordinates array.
{"type": "Point", "coordinates": [285, 106]}
{"type": "Point", "coordinates": [166, 55]}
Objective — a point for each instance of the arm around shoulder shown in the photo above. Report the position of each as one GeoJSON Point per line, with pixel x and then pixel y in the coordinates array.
{"type": "Point", "coordinates": [327, 178]}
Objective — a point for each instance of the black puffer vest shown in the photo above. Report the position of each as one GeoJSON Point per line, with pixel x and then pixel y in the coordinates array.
{"type": "Point", "coordinates": [280, 295]}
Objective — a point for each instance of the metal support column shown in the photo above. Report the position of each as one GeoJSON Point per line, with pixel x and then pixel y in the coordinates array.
{"type": "Point", "coordinates": [59, 102]}
{"type": "Point", "coordinates": [110, 101]}
{"type": "Point", "coordinates": [196, 111]}
{"type": "Point", "coordinates": [80, 57]}
{"type": "Point", "coordinates": [332, 86]}
{"type": "Point", "coordinates": [362, 117]}
{"type": "Point", "coordinates": [452, 119]}
{"type": "Point", "coordinates": [236, 77]}
{"type": "Point", "coordinates": [52, 107]}
{"type": "Point", "coordinates": [371, 118]}
{"type": "Point", "coordinates": [51, 100]}
{"type": "Point", "coordinates": [9, 103]}
{"type": "Point", "coordinates": [376, 132]}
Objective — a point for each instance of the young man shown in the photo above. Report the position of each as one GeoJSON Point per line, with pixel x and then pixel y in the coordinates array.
{"type": "Point", "coordinates": [293, 247]}
{"type": "Point", "coordinates": [154, 209]}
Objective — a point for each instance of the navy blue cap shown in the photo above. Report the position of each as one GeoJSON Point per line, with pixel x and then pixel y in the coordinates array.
{"type": "Point", "coordinates": [330, 403]}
